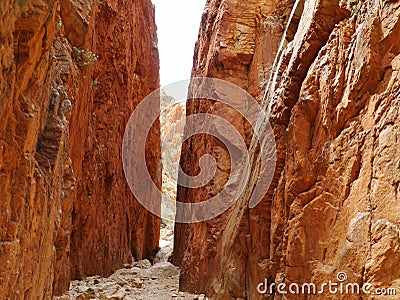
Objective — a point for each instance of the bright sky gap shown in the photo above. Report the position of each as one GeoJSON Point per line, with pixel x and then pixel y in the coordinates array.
{"type": "Point", "coordinates": [178, 23]}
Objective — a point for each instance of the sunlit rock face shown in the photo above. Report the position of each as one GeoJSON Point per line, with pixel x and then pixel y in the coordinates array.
{"type": "Point", "coordinates": [327, 74]}
{"type": "Point", "coordinates": [172, 124]}
{"type": "Point", "coordinates": [71, 74]}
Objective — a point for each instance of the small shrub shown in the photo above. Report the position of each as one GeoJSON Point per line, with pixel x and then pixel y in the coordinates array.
{"type": "Point", "coordinates": [96, 82]}
{"type": "Point", "coordinates": [351, 5]}
{"type": "Point", "coordinates": [284, 20]}
{"type": "Point", "coordinates": [83, 57]}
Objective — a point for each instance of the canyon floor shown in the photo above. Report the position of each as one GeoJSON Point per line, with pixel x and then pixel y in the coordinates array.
{"type": "Point", "coordinates": [139, 280]}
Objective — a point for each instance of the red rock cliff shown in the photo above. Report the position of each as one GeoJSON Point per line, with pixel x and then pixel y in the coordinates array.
{"type": "Point", "coordinates": [108, 224]}
{"type": "Point", "coordinates": [330, 89]}
{"type": "Point", "coordinates": [66, 210]}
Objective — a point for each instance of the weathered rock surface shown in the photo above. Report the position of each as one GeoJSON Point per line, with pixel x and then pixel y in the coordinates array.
{"type": "Point", "coordinates": [109, 226]}
{"type": "Point", "coordinates": [62, 117]}
{"type": "Point", "coordinates": [339, 186]}
{"type": "Point", "coordinates": [36, 176]}
{"type": "Point", "coordinates": [237, 42]}
{"type": "Point", "coordinates": [333, 100]}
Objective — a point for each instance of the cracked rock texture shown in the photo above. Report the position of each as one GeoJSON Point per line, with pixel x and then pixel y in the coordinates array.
{"type": "Point", "coordinates": [327, 73]}
{"type": "Point", "coordinates": [65, 209]}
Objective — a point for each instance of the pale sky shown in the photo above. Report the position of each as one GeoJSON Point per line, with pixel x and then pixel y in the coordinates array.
{"type": "Point", "coordinates": [178, 23]}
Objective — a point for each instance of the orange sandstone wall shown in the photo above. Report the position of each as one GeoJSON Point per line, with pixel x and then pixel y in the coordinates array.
{"type": "Point", "coordinates": [65, 208]}
{"type": "Point", "coordinates": [333, 102]}
{"type": "Point", "coordinates": [108, 224]}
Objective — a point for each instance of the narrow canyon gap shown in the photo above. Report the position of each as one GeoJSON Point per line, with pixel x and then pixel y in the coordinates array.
{"type": "Point", "coordinates": [176, 44]}
{"type": "Point", "coordinates": [327, 75]}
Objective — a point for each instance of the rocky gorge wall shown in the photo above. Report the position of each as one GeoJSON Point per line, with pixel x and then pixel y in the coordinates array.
{"type": "Point", "coordinates": [327, 74]}
{"type": "Point", "coordinates": [71, 74]}
{"type": "Point", "coordinates": [237, 52]}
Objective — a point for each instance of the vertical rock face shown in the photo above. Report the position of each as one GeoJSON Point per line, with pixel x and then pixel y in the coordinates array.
{"type": "Point", "coordinates": [66, 209]}
{"type": "Point", "coordinates": [337, 199]}
{"type": "Point", "coordinates": [333, 102]}
{"type": "Point", "coordinates": [109, 225]}
{"type": "Point", "coordinates": [238, 41]}
{"type": "Point", "coordinates": [35, 167]}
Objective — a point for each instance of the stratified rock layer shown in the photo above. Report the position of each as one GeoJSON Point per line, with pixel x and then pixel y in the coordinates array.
{"type": "Point", "coordinates": [333, 101]}
{"type": "Point", "coordinates": [62, 117]}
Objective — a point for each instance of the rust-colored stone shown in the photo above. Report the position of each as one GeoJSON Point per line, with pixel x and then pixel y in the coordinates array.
{"type": "Point", "coordinates": [35, 168]}
{"type": "Point", "coordinates": [245, 36]}
{"type": "Point", "coordinates": [61, 127]}
{"type": "Point", "coordinates": [333, 103]}
{"type": "Point", "coordinates": [108, 225]}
